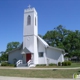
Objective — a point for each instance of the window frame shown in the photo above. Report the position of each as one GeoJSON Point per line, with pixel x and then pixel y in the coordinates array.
{"type": "Point", "coordinates": [41, 54]}
{"type": "Point", "coordinates": [29, 20]}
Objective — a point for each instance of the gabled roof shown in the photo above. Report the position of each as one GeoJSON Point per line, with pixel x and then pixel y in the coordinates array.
{"type": "Point", "coordinates": [46, 44]}
{"type": "Point", "coordinates": [56, 48]}
{"type": "Point", "coordinates": [42, 41]}
{"type": "Point", "coordinates": [25, 50]}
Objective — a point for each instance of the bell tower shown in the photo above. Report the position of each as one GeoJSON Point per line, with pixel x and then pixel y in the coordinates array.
{"type": "Point", "coordinates": [30, 32]}
{"type": "Point", "coordinates": [30, 21]}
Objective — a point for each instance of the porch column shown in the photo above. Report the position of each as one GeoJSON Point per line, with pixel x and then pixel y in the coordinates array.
{"type": "Point", "coordinates": [24, 58]}
{"type": "Point", "coordinates": [32, 57]}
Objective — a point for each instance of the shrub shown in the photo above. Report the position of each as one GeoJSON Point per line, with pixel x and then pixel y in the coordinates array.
{"type": "Point", "coordinates": [69, 63]}
{"type": "Point", "coordinates": [12, 65]}
{"type": "Point", "coordinates": [63, 63]}
{"type": "Point", "coordinates": [37, 65]}
{"type": "Point", "coordinates": [51, 64]}
{"type": "Point", "coordinates": [41, 65]}
{"type": "Point", "coordinates": [66, 63]}
{"type": "Point", "coordinates": [59, 63]}
{"type": "Point", "coordinates": [4, 64]}
{"type": "Point", "coordinates": [7, 64]}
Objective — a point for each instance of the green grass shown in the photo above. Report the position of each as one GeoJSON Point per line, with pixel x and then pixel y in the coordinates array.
{"type": "Point", "coordinates": [39, 73]}
{"type": "Point", "coordinates": [75, 64]}
{"type": "Point", "coordinates": [54, 66]}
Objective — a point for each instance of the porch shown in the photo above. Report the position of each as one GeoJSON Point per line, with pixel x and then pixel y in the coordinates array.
{"type": "Point", "coordinates": [26, 61]}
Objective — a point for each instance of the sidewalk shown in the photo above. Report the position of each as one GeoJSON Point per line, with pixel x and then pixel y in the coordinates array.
{"type": "Point", "coordinates": [20, 78]}
{"type": "Point", "coordinates": [44, 68]}
{"type": "Point", "coordinates": [36, 68]}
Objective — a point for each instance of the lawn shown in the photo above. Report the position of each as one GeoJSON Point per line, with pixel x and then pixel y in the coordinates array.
{"type": "Point", "coordinates": [39, 73]}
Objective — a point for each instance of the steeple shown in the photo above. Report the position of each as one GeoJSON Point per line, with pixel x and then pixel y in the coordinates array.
{"type": "Point", "coordinates": [30, 21]}
{"type": "Point", "coordinates": [30, 32]}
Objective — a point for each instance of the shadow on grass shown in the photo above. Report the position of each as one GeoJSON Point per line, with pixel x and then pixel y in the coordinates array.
{"type": "Point", "coordinates": [54, 69]}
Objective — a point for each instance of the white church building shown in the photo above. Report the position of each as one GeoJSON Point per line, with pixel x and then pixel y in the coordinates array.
{"type": "Point", "coordinates": [34, 50]}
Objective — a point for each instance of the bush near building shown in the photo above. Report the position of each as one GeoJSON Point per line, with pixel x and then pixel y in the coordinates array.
{"type": "Point", "coordinates": [66, 63]}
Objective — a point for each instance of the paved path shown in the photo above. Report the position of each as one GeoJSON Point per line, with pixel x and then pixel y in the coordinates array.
{"type": "Point", "coordinates": [20, 78]}
{"type": "Point", "coordinates": [44, 68]}
{"type": "Point", "coordinates": [36, 68]}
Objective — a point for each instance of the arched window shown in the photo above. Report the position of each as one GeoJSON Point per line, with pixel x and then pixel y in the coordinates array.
{"type": "Point", "coordinates": [28, 20]}
{"type": "Point", "coordinates": [35, 21]}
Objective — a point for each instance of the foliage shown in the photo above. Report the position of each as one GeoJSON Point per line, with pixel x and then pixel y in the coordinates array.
{"type": "Point", "coordinates": [7, 64]}
{"type": "Point", "coordinates": [65, 39]}
{"type": "Point", "coordinates": [58, 37]}
{"type": "Point", "coordinates": [41, 65]}
{"type": "Point", "coordinates": [69, 63]}
{"type": "Point", "coordinates": [63, 63]}
{"type": "Point", "coordinates": [1, 53]}
{"type": "Point", "coordinates": [12, 46]}
{"type": "Point", "coordinates": [51, 64]}
{"type": "Point", "coordinates": [59, 63]}
{"type": "Point", "coordinates": [4, 64]}
{"type": "Point", "coordinates": [12, 65]}
{"type": "Point", "coordinates": [4, 57]}
{"type": "Point", "coordinates": [66, 63]}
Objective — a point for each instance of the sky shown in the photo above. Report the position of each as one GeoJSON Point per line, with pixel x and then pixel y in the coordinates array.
{"type": "Point", "coordinates": [51, 13]}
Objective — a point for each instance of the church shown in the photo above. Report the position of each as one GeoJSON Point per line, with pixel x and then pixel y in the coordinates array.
{"type": "Point", "coordinates": [34, 50]}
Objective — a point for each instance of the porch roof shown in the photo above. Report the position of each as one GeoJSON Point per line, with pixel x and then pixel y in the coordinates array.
{"type": "Point", "coordinates": [25, 50]}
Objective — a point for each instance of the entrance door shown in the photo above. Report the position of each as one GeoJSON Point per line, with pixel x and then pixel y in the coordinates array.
{"type": "Point", "coordinates": [28, 57]}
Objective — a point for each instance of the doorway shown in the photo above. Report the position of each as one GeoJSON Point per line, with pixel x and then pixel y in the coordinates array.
{"type": "Point", "coordinates": [28, 57]}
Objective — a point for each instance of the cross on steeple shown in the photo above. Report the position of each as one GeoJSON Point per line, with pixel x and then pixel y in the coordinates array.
{"type": "Point", "coordinates": [29, 6]}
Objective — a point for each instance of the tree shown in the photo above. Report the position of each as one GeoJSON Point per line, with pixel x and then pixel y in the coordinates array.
{"type": "Point", "coordinates": [56, 37]}
{"type": "Point", "coordinates": [12, 45]}
{"type": "Point", "coordinates": [1, 53]}
{"type": "Point", "coordinates": [65, 39]}
{"type": "Point", "coordinates": [4, 57]}
{"type": "Point", "coordinates": [72, 43]}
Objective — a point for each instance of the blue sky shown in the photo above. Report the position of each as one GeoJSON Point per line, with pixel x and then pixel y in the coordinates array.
{"type": "Point", "coordinates": [51, 13]}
